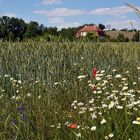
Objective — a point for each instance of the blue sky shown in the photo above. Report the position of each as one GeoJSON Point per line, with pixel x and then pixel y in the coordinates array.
{"type": "Point", "coordinates": [69, 13]}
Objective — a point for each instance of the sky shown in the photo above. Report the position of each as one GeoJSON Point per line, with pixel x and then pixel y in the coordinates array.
{"type": "Point", "coordinates": [73, 13]}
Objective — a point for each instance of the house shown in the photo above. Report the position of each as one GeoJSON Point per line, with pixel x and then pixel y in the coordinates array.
{"type": "Point", "coordinates": [90, 28]}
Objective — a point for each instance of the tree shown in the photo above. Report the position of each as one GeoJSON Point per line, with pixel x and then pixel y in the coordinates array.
{"type": "Point", "coordinates": [51, 31]}
{"type": "Point", "coordinates": [17, 27]}
{"type": "Point", "coordinates": [136, 37]}
{"type": "Point", "coordinates": [101, 26]}
{"type": "Point", "coordinates": [4, 26]}
{"type": "Point", "coordinates": [33, 29]}
{"type": "Point", "coordinates": [122, 38]}
{"type": "Point", "coordinates": [69, 33]}
{"type": "Point", "coordinates": [92, 36]}
{"type": "Point", "coordinates": [12, 28]}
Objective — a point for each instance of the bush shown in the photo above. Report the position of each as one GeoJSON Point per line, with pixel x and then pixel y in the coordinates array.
{"type": "Point", "coordinates": [136, 37]}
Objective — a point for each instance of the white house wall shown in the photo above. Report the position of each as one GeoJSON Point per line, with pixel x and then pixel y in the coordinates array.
{"type": "Point", "coordinates": [83, 33]}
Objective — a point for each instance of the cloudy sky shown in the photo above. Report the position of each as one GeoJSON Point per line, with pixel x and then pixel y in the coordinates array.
{"type": "Point", "coordinates": [69, 13]}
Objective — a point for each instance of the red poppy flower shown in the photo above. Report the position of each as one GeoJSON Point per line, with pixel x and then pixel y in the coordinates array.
{"type": "Point", "coordinates": [73, 126]}
{"type": "Point", "coordinates": [94, 72]}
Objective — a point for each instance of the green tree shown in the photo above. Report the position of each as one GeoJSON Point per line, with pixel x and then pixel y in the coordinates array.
{"type": "Point", "coordinates": [92, 36]}
{"type": "Point", "coordinates": [101, 26]}
{"type": "Point", "coordinates": [17, 27]}
{"type": "Point", "coordinates": [136, 37]}
{"type": "Point", "coordinates": [33, 29]}
{"type": "Point", "coordinates": [12, 28]}
{"type": "Point", "coordinates": [51, 31]}
{"type": "Point", "coordinates": [4, 26]}
{"type": "Point", "coordinates": [120, 38]}
{"type": "Point", "coordinates": [69, 33]}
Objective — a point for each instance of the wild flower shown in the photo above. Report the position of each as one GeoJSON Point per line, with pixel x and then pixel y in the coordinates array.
{"type": "Point", "coordinates": [106, 137]}
{"type": "Point", "coordinates": [83, 108]}
{"type": "Point", "coordinates": [91, 101]}
{"type": "Point", "coordinates": [127, 72]}
{"type": "Point", "coordinates": [138, 68]}
{"type": "Point", "coordinates": [138, 118]}
{"type": "Point", "coordinates": [111, 135]}
{"type": "Point", "coordinates": [93, 87]}
{"type": "Point", "coordinates": [111, 105]}
{"type": "Point", "coordinates": [17, 91]}
{"type": "Point", "coordinates": [73, 126]}
{"type": "Point", "coordinates": [75, 64]}
{"type": "Point", "coordinates": [136, 122]}
{"type": "Point", "coordinates": [94, 72]}
{"type": "Point", "coordinates": [124, 88]}
{"type": "Point", "coordinates": [75, 107]}
{"type": "Point", "coordinates": [124, 79]}
{"type": "Point", "coordinates": [28, 94]}
{"type": "Point", "coordinates": [104, 105]}
{"type": "Point", "coordinates": [109, 76]}
{"type": "Point", "coordinates": [11, 78]}
{"type": "Point", "coordinates": [13, 97]}
{"type": "Point", "coordinates": [91, 109]}
{"type": "Point", "coordinates": [93, 116]}
{"type": "Point", "coordinates": [19, 81]}
{"type": "Point", "coordinates": [98, 78]}
{"type": "Point", "coordinates": [39, 96]}
{"type": "Point", "coordinates": [118, 76]}
{"type": "Point", "coordinates": [81, 76]}
{"type": "Point", "coordinates": [93, 128]}
{"type": "Point", "coordinates": [52, 126]}
{"type": "Point", "coordinates": [102, 71]}
{"type": "Point", "coordinates": [80, 104]}
{"type": "Point", "coordinates": [75, 101]}
{"type": "Point", "coordinates": [134, 83]}
{"type": "Point", "coordinates": [18, 97]}
{"type": "Point", "coordinates": [103, 121]}
{"type": "Point", "coordinates": [119, 107]}
{"type": "Point", "coordinates": [81, 112]}
{"type": "Point", "coordinates": [21, 108]}
{"type": "Point", "coordinates": [1, 96]}
{"type": "Point", "coordinates": [6, 75]}
{"type": "Point", "coordinates": [114, 70]}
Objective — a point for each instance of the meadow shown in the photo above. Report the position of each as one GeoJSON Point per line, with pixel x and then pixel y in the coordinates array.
{"type": "Point", "coordinates": [69, 90]}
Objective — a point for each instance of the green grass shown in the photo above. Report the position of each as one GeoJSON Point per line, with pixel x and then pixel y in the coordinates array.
{"type": "Point", "coordinates": [41, 95]}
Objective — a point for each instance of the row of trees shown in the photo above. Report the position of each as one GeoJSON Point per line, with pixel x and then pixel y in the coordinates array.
{"type": "Point", "coordinates": [17, 29]}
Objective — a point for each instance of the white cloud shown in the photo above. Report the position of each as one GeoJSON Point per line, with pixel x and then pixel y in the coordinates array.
{"type": "Point", "coordinates": [115, 11]}
{"type": "Point", "coordinates": [120, 24]}
{"type": "Point", "coordinates": [61, 23]}
{"type": "Point", "coordinates": [60, 12]}
{"type": "Point", "coordinates": [9, 14]}
{"type": "Point", "coordinates": [47, 2]}
{"type": "Point", "coordinates": [56, 20]}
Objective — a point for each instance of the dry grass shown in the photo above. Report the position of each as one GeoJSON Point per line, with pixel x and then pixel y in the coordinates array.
{"type": "Point", "coordinates": [114, 34]}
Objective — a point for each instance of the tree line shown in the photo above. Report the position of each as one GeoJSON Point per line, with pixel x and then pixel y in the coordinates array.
{"type": "Point", "coordinates": [14, 29]}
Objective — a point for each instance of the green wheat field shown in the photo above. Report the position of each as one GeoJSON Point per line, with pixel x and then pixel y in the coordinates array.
{"type": "Point", "coordinates": [69, 91]}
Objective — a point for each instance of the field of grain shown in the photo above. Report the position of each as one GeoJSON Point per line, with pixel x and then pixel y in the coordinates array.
{"type": "Point", "coordinates": [69, 91]}
{"type": "Point", "coordinates": [114, 34]}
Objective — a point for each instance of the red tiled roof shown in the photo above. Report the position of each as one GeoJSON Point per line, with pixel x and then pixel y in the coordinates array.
{"type": "Point", "coordinates": [89, 29]}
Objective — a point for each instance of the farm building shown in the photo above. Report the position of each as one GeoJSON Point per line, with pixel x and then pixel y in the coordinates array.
{"type": "Point", "coordinates": [90, 28]}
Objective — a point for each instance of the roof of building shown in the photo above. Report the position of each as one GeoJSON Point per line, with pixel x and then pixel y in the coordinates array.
{"type": "Point", "coordinates": [90, 28]}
